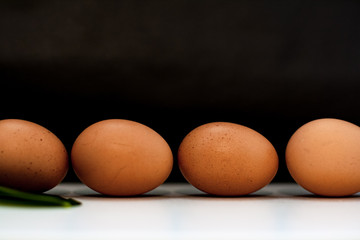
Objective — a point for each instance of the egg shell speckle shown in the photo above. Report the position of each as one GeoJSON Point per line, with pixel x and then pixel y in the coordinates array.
{"type": "Point", "coordinates": [227, 159]}
{"type": "Point", "coordinates": [31, 157]}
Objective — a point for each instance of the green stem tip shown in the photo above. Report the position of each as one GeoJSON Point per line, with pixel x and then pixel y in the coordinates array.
{"type": "Point", "coordinates": [38, 199]}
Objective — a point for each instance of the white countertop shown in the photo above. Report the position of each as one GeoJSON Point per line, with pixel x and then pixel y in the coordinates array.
{"type": "Point", "coordinates": [179, 211]}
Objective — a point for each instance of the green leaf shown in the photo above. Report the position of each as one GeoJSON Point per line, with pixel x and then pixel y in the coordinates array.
{"type": "Point", "coordinates": [11, 196]}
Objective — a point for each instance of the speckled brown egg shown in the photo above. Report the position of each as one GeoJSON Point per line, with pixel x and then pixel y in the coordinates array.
{"type": "Point", "coordinates": [227, 159]}
{"type": "Point", "coordinates": [323, 156]}
{"type": "Point", "coordinates": [31, 157]}
{"type": "Point", "coordinates": [121, 158]}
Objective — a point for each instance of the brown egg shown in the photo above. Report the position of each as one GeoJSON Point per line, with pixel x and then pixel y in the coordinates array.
{"type": "Point", "coordinates": [323, 156]}
{"type": "Point", "coordinates": [31, 157]}
{"type": "Point", "coordinates": [121, 158]}
{"type": "Point", "coordinates": [227, 159]}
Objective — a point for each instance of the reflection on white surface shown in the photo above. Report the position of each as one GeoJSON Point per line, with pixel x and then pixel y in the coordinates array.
{"type": "Point", "coordinates": [179, 211]}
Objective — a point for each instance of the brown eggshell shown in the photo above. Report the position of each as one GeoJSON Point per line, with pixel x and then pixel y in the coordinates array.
{"type": "Point", "coordinates": [31, 157]}
{"type": "Point", "coordinates": [323, 156]}
{"type": "Point", "coordinates": [121, 158]}
{"type": "Point", "coordinates": [227, 159]}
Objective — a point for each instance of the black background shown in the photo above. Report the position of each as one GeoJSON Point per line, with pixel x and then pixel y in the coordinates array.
{"type": "Point", "coordinates": [174, 65]}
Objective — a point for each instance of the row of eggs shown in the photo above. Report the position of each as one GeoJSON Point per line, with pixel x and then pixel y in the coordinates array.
{"type": "Point", "coordinates": [125, 158]}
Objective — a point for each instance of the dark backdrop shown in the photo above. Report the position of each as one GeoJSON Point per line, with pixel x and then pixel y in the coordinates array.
{"type": "Point", "coordinates": [174, 65]}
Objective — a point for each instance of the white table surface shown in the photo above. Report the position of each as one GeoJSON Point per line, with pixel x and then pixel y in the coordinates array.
{"type": "Point", "coordinates": [179, 211]}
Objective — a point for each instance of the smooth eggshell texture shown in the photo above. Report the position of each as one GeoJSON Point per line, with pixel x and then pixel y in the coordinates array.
{"type": "Point", "coordinates": [31, 157]}
{"type": "Point", "coordinates": [121, 158]}
{"type": "Point", "coordinates": [323, 156]}
{"type": "Point", "coordinates": [227, 159]}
